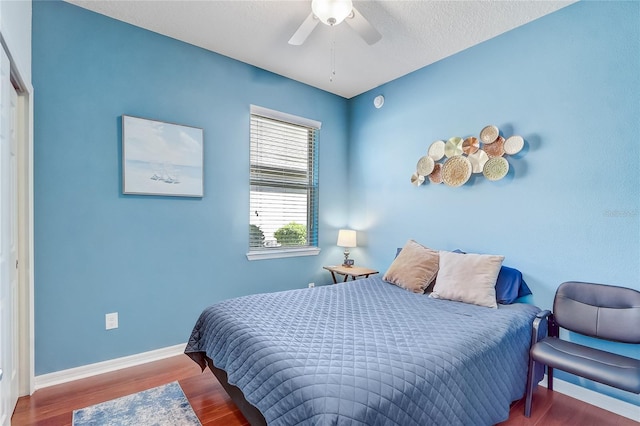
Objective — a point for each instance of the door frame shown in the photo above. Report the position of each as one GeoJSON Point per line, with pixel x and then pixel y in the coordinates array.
{"type": "Point", "coordinates": [26, 339]}
{"type": "Point", "coordinates": [26, 334]}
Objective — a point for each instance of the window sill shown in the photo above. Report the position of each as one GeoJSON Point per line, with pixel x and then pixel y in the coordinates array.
{"type": "Point", "coordinates": [281, 253]}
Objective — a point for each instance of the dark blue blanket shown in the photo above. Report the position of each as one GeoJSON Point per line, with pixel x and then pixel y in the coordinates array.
{"type": "Point", "coordinates": [368, 353]}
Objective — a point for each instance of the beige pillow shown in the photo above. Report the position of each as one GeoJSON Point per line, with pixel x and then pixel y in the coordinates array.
{"type": "Point", "coordinates": [469, 278]}
{"type": "Point", "coordinates": [413, 268]}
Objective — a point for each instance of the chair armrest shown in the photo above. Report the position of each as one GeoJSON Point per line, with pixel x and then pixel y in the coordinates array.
{"type": "Point", "coordinates": [543, 314]}
{"type": "Point", "coordinates": [540, 326]}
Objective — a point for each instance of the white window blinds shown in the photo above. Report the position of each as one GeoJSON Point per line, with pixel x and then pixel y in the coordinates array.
{"type": "Point", "coordinates": [283, 212]}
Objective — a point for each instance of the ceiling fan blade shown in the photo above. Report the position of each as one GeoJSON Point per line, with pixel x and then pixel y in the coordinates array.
{"type": "Point", "coordinates": [363, 27]}
{"type": "Point", "coordinates": [304, 30]}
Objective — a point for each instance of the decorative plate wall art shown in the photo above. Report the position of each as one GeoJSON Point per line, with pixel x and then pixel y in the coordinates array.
{"type": "Point", "coordinates": [453, 147]}
{"type": "Point", "coordinates": [456, 171]}
{"type": "Point", "coordinates": [436, 174]}
{"type": "Point", "coordinates": [513, 145]}
{"type": "Point", "coordinates": [496, 148]}
{"type": "Point", "coordinates": [454, 161]}
{"type": "Point", "coordinates": [425, 166]}
{"type": "Point", "coordinates": [477, 160]}
{"type": "Point", "coordinates": [495, 168]}
{"type": "Point", "coordinates": [470, 145]}
{"type": "Point", "coordinates": [436, 150]}
{"type": "Point", "coordinates": [416, 179]}
{"type": "Point", "coordinates": [489, 134]}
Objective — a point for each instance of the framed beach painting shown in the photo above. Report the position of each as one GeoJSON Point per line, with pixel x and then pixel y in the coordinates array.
{"type": "Point", "coordinates": [161, 158]}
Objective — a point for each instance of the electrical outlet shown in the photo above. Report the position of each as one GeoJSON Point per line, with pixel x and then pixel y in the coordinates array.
{"type": "Point", "coordinates": [312, 285]}
{"type": "Point", "coordinates": [111, 320]}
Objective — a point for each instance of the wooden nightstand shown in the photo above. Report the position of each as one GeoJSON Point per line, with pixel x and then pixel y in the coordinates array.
{"type": "Point", "coordinates": [353, 272]}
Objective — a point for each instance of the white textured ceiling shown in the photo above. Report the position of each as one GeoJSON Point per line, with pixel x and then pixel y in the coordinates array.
{"type": "Point", "coordinates": [414, 33]}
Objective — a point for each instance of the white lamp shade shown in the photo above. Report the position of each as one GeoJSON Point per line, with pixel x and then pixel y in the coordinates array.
{"type": "Point", "coordinates": [331, 12]}
{"type": "Point", "coordinates": [346, 238]}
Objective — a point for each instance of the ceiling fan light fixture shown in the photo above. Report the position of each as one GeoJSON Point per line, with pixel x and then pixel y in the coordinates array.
{"type": "Point", "coordinates": [331, 12]}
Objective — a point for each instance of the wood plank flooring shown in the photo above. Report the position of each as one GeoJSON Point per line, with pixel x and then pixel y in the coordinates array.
{"type": "Point", "coordinates": [54, 405]}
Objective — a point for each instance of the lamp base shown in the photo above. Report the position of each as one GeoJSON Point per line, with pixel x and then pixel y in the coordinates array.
{"type": "Point", "coordinates": [348, 263]}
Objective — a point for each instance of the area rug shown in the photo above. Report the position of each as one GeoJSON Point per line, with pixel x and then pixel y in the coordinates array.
{"type": "Point", "coordinates": [162, 406]}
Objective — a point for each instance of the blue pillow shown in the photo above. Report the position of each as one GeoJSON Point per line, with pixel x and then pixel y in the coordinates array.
{"type": "Point", "coordinates": [509, 285]}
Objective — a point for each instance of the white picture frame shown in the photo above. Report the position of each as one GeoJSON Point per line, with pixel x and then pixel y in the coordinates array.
{"type": "Point", "coordinates": [160, 158]}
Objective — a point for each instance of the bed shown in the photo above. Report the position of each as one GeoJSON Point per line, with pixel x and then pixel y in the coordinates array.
{"type": "Point", "coordinates": [366, 352]}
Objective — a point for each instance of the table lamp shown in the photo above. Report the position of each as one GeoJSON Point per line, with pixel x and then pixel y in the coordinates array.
{"type": "Point", "coordinates": [347, 239]}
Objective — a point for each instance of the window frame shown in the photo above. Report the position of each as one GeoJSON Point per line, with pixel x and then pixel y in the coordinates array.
{"type": "Point", "coordinates": [292, 251]}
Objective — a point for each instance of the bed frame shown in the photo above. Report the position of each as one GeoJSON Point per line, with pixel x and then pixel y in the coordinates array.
{"type": "Point", "coordinates": [251, 413]}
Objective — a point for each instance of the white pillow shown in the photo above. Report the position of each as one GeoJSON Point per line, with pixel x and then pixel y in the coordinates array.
{"type": "Point", "coordinates": [469, 278]}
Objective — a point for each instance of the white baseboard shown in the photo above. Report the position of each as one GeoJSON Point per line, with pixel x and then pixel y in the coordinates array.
{"type": "Point", "coordinates": [597, 399]}
{"type": "Point", "coordinates": [85, 371]}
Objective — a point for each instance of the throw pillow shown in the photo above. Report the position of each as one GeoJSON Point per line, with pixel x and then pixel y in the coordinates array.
{"type": "Point", "coordinates": [413, 268]}
{"type": "Point", "coordinates": [469, 278]}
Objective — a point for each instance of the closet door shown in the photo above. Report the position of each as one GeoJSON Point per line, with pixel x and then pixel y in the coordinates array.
{"type": "Point", "coordinates": [8, 245]}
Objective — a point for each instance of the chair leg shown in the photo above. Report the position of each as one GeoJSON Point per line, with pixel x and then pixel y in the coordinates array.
{"type": "Point", "coordinates": [530, 387]}
{"type": "Point", "coordinates": [550, 378]}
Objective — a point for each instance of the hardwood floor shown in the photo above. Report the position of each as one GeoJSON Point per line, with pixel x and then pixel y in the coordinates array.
{"type": "Point", "coordinates": [53, 406]}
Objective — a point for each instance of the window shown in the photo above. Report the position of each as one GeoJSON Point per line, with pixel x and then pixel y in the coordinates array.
{"type": "Point", "coordinates": [283, 208]}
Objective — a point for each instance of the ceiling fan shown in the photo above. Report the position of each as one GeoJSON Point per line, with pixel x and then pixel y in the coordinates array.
{"type": "Point", "coordinates": [333, 12]}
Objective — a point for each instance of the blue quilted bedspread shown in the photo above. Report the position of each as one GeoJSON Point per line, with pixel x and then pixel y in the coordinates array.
{"type": "Point", "coordinates": [368, 353]}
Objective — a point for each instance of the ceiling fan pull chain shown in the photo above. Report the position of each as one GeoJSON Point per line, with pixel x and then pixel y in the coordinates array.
{"type": "Point", "coordinates": [333, 54]}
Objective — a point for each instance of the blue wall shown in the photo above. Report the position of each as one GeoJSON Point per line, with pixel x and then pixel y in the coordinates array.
{"type": "Point", "coordinates": [158, 261]}
{"type": "Point", "coordinates": [569, 83]}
